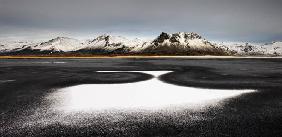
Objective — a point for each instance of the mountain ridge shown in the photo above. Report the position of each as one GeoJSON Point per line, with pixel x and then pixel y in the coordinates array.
{"type": "Point", "coordinates": [180, 43]}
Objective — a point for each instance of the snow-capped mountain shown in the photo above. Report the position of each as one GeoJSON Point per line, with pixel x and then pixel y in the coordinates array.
{"type": "Point", "coordinates": [180, 43]}
{"type": "Point", "coordinates": [274, 48]}
{"type": "Point", "coordinates": [253, 49]}
{"type": "Point", "coordinates": [9, 46]}
{"type": "Point", "coordinates": [56, 45]}
{"type": "Point", "coordinates": [112, 44]}
{"type": "Point", "coordinates": [59, 44]}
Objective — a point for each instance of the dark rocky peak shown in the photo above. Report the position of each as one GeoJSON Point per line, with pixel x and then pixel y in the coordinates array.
{"type": "Point", "coordinates": [185, 35]}
{"type": "Point", "coordinates": [58, 39]}
{"type": "Point", "coordinates": [192, 35]}
{"type": "Point", "coordinates": [104, 37]}
{"type": "Point", "coordinates": [176, 37]}
{"type": "Point", "coordinates": [162, 37]}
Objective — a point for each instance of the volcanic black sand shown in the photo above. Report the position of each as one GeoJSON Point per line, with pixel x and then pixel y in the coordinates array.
{"type": "Point", "coordinates": [25, 83]}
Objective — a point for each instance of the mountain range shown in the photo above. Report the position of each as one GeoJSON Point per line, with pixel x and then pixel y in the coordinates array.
{"type": "Point", "coordinates": [180, 43]}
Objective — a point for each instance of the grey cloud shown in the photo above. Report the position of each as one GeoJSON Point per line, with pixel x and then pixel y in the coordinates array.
{"type": "Point", "coordinates": [234, 20]}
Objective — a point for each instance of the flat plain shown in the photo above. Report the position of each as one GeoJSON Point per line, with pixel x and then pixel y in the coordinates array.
{"type": "Point", "coordinates": [35, 97]}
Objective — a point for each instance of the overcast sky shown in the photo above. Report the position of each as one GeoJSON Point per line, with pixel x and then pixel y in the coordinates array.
{"type": "Point", "coordinates": [226, 20]}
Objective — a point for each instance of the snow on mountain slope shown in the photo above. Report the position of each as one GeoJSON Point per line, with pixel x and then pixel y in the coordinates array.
{"type": "Point", "coordinates": [8, 46]}
{"type": "Point", "coordinates": [111, 43]}
{"type": "Point", "coordinates": [274, 48]}
{"type": "Point", "coordinates": [240, 48]}
{"type": "Point", "coordinates": [62, 44]}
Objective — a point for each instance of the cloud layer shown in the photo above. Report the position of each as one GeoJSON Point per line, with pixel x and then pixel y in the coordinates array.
{"type": "Point", "coordinates": [247, 20]}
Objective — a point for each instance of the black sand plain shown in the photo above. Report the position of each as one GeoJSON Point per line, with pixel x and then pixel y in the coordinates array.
{"type": "Point", "coordinates": [25, 82]}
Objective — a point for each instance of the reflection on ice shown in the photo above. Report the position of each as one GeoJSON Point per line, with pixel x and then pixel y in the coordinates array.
{"type": "Point", "coordinates": [154, 73]}
{"type": "Point", "coordinates": [150, 94]}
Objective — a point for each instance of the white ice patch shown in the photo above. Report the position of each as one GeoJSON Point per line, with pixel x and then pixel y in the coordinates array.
{"type": "Point", "coordinates": [148, 95]}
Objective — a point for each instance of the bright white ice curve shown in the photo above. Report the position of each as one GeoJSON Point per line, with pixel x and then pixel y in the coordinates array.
{"type": "Point", "coordinates": [150, 94]}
